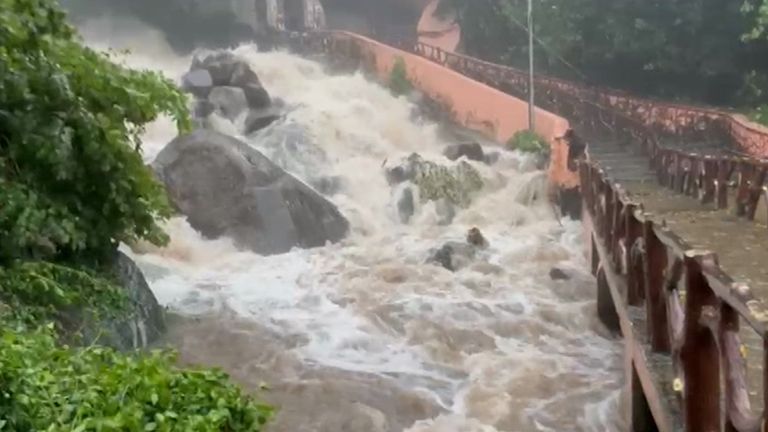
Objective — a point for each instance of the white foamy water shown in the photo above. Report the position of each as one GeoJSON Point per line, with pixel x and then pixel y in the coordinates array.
{"type": "Point", "coordinates": [497, 346]}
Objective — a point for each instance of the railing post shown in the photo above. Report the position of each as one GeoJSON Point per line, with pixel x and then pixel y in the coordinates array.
{"type": "Point", "coordinates": [655, 307]}
{"type": "Point", "coordinates": [635, 281]}
{"type": "Point", "coordinates": [723, 174]}
{"type": "Point", "coordinates": [700, 354]}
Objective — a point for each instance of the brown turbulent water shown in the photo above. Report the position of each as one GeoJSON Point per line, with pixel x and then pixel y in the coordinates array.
{"type": "Point", "coordinates": [363, 336]}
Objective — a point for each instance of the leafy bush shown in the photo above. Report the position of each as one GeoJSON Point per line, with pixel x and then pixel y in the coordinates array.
{"type": "Point", "coordinates": [37, 292]}
{"type": "Point", "coordinates": [398, 78]}
{"type": "Point", "coordinates": [72, 181]}
{"type": "Point", "coordinates": [72, 186]}
{"type": "Point", "coordinates": [528, 142]}
{"type": "Point", "coordinates": [47, 387]}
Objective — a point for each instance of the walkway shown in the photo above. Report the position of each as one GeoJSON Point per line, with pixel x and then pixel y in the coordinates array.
{"type": "Point", "coordinates": [740, 244]}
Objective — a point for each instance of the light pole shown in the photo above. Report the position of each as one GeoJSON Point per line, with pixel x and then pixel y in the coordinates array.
{"type": "Point", "coordinates": [531, 106]}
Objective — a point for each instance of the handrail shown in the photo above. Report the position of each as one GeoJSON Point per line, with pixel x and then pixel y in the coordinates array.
{"type": "Point", "coordinates": [642, 122]}
{"type": "Point", "coordinates": [692, 306]}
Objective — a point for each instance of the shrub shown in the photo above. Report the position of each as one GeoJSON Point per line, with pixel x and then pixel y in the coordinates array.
{"type": "Point", "coordinates": [47, 387]}
{"type": "Point", "coordinates": [72, 187]}
{"type": "Point", "coordinates": [398, 78]}
{"type": "Point", "coordinates": [72, 181]}
{"type": "Point", "coordinates": [528, 142]}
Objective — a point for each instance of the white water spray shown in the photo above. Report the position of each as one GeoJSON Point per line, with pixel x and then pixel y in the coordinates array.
{"type": "Point", "coordinates": [497, 346]}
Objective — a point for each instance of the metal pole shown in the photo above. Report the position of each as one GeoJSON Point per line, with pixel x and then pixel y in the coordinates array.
{"type": "Point", "coordinates": [531, 106]}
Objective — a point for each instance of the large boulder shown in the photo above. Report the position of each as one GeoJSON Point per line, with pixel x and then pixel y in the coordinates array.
{"type": "Point", "coordinates": [228, 70]}
{"type": "Point", "coordinates": [227, 188]}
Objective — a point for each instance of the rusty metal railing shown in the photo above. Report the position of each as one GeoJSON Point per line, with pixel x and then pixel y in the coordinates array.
{"type": "Point", "coordinates": [635, 121]}
{"type": "Point", "coordinates": [693, 309]}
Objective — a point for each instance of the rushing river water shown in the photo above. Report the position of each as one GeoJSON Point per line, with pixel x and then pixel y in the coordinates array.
{"type": "Point", "coordinates": [363, 336]}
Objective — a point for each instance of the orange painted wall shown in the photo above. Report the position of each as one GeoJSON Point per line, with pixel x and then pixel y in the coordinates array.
{"type": "Point", "coordinates": [473, 104]}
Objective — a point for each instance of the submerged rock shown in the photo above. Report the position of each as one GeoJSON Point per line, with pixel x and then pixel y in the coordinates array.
{"type": "Point", "coordinates": [491, 158]}
{"type": "Point", "coordinates": [445, 211]}
{"type": "Point", "coordinates": [558, 274]}
{"type": "Point", "coordinates": [405, 205]}
{"type": "Point", "coordinates": [476, 238]}
{"type": "Point", "coordinates": [453, 256]}
{"type": "Point", "coordinates": [227, 188]}
{"type": "Point", "coordinates": [259, 119]}
{"type": "Point", "coordinates": [472, 151]}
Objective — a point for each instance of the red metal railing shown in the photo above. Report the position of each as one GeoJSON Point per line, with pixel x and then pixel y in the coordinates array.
{"type": "Point", "coordinates": [635, 121]}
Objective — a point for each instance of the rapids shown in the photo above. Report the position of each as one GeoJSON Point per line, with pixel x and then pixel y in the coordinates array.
{"type": "Point", "coordinates": [363, 336]}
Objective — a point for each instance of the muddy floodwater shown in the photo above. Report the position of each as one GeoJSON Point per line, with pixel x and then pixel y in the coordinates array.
{"type": "Point", "coordinates": [364, 335]}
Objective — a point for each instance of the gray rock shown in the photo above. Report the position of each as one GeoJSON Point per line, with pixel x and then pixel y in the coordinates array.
{"type": "Point", "coordinates": [227, 188]}
{"type": "Point", "coordinates": [230, 102]}
{"type": "Point", "coordinates": [453, 256]}
{"type": "Point", "coordinates": [259, 119]}
{"type": "Point", "coordinates": [203, 108]}
{"type": "Point", "coordinates": [472, 151]}
{"type": "Point", "coordinates": [198, 82]}
{"type": "Point", "coordinates": [256, 96]}
{"type": "Point", "coordinates": [558, 274]}
{"type": "Point", "coordinates": [220, 65]}
{"type": "Point", "coordinates": [227, 69]}
{"type": "Point", "coordinates": [492, 157]}
{"type": "Point", "coordinates": [445, 211]}
{"type": "Point", "coordinates": [326, 185]}
{"type": "Point", "coordinates": [405, 205]}
{"type": "Point", "coordinates": [137, 326]}
{"type": "Point", "coordinates": [406, 171]}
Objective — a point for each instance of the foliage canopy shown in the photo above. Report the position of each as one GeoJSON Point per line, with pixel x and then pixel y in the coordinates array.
{"type": "Point", "coordinates": [72, 186]}
{"type": "Point", "coordinates": [692, 50]}
{"type": "Point", "coordinates": [71, 179]}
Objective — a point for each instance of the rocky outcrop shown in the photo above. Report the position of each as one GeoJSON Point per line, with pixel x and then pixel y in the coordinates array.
{"type": "Point", "coordinates": [225, 84]}
{"type": "Point", "coordinates": [454, 186]}
{"type": "Point", "coordinates": [138, 324]}
{"type": "Point", "coordinates": [227, 188]}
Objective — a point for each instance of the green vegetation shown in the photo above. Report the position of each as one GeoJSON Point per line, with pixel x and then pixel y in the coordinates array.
{"type": "Point", "coordinates": [73, 186]}
{"type": "Point", "coordinates": [53, 388]}
{"type": "Point", "coordinates": [398, 78]}
{"type": "Point", "coordinates": [528, 142]}
{"type": "Point", "coordinates": [701, 51]}
{"type": "Point", "coordinates": [457, 184]}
